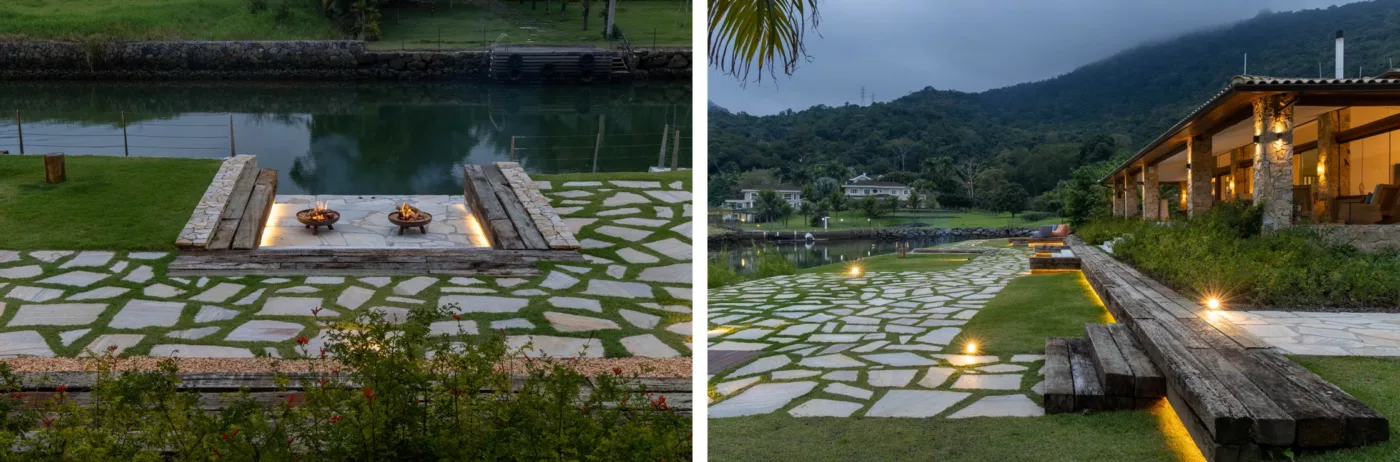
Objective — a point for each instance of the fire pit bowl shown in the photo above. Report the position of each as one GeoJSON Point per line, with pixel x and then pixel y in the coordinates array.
{"type": "Point", "coordinates": [318, 217]}
{"type": "Point", "coordinates": [410, 217]}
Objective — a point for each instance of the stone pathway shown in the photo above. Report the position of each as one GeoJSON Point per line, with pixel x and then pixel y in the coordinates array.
{"type": "Point", "coordinates": [630, 298]}
{"type": "Point", "coordinates": [873, 346]}
{"type": "Point", "coordinates": [364, 223]}
{"type": "Point", "coordinates": [1324, 334]}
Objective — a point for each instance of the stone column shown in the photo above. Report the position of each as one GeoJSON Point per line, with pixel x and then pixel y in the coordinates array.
{"type": "Point", "coordinates": [1151, 194]}
{"type": "Point", "coordinates": [1130, 196]}
{"type": "Point", "coordinates": [1201, 163]}
{"type": "Point", "coordinates": [1273, 159]}
{"type": "Point", "coordinates": [1117, 198]}
{"type": "Point", "coordinates": [1333, 175]}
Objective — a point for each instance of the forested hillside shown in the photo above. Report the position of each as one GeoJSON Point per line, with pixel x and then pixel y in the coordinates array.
{"type": "Point", "coordinates": [1035, 134]}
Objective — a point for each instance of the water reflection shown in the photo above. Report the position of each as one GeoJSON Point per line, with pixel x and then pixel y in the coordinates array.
{"type": "Point", "coordinates": [817, 253]}
{"type": "Point", "coordinates": [358, 138]}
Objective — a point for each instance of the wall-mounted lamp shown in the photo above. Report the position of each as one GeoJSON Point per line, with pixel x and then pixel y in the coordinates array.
{"type": "Point", "coordinates": [1188, 166]}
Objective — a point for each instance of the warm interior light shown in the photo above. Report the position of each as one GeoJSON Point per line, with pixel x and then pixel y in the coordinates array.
{"type": "Point", "coordinates": [970, 348]}
{"type": "Point", "coordinates": [1213, 303]}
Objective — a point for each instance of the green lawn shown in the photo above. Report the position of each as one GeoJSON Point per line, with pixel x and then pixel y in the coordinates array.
{"type": "Point", "coordinates": [1032, 308]}
{"type": "Point", "coordinates": [112, 203]}
{"type": "Point", "coordinates": [1110, 436]}
{"type": "Point", "coordinates": [472, 26]}
{"type": "Point", "coordinates": [1371, 380]}
{"type": "Point", "coordinates": [851, 219]}
{"type": "Point", "coordinates": [892, 262]}
{"type": "Point", "coordinates": [161, 20]}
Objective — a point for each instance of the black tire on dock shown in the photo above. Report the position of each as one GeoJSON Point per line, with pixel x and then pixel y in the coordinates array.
{"type": "Point", "coordinates": [515, 67]}
{"type": "Point", "coordinates": [585, 68]}
{"type": "Point", "coordinates": [549, 72]}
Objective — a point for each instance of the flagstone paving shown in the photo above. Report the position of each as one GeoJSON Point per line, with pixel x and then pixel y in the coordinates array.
{"type": "Point", "coordinates": [1326, 334]}
{"type": "Point", "coordinates": [873, 346]}
{"type": "Point", "coordinates": [630, 298]}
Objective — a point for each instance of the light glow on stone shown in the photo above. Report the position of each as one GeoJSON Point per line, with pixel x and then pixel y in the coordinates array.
{"type": "Point", "coordinates": [1213, 303]}
{"type": "Point", "coordinates": [970, 348]}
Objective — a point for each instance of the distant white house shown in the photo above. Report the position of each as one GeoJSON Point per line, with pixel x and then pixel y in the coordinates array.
{"type": "Point", "coordinates": [747, 197]}
{"type": "Point", "coordinates": [862, 189]}
{"type": "Point", "coordinates": [791, 193]}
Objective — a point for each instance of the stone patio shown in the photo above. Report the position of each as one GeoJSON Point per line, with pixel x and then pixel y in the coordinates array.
{"type": "Point", "coordinates": [61, 303]}
{"type": "Point", "coordinates": [872, 346]}
{"type": "Point", "coordinates": [364, 223]}
{"type": "Point", "coordinates": [1323, 334]}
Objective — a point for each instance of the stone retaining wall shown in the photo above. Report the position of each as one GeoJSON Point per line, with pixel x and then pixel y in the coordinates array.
{"type": "Point", "coordinates": [1367, 238]}
{"type": "Point", "coordinates": [551, 226]}
{"type": "Point", "coordinates": [205, 217]}
{"type": "Point", "coordinates": [271, 60]}
{"type": "Point", "coordinates": [877, 234]}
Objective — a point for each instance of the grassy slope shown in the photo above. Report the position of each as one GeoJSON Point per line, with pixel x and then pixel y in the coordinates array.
{"type": "Point", "coordinates": [856, 220]}
{"type": "Point", "coordinates": [892, 262]}
{"type": "Point", "coordinates": [468, 26]}
{"type": "Point", "coordinates": [160, 20]}
{"type": "Point", "coordinates": [110, 203]}
{"type": "Point", "coordinates": [1032, 308]}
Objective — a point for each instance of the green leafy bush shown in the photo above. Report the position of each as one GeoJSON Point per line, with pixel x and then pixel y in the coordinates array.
{"type": "Point", "coordinates": [769, 262]}
{"type": "Point", "coordinates": [1034, 216]}
{"type": "Point", "coordinates": [400, 393]}
{"type": "Point", "coordinates": [1104, 229]}
{"type": "Point", "coordinates": [1223, 254]}
{"type": "Point", "coordinates": [719, 272]}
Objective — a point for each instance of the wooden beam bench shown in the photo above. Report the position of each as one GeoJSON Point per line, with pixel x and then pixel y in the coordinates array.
{"type": "Point", "coordinates": [1239, 399]}
{"type": "Point", "coordinates": [1063, 259]}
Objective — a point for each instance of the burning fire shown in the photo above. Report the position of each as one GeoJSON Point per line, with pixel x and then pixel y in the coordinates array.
{"type": "Point", "coordinates": [407, 213]}
{"type": "Point", "coordinates": [319, 213]}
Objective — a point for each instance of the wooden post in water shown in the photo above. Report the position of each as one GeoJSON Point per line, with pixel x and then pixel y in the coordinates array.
{"type": "Point", "coordinates": [676, 152]}
{"type": "Point", "coordinates": [230, 135]}
{"type": "Point", "coordinates": [598, 144]}
{"type": "Point", "coordinates": [661, 156]}
{"type": "Point", "coordinates": [512, 148]}
{"type": "Point", "coordinates": [19, 124]}
{"type": "Point", "coordinates": [126, 148]}
{"type": "Point", "coordinates": [54, 169]}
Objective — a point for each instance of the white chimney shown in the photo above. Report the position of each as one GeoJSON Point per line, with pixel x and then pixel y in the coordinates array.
{"type": "Point", "coordinates": [1340, 54]}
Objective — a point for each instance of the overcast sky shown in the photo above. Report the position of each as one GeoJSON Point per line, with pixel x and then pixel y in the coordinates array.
{"type": "Point", "coordinates": [894, 47]}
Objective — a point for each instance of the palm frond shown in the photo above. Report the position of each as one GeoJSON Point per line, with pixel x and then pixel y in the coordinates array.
{"type": "Point", "coordinates": [765, 34]}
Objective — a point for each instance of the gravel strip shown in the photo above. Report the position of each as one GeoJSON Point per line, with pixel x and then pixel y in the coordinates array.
{"type": "Point", "coordinates": [644, 367]}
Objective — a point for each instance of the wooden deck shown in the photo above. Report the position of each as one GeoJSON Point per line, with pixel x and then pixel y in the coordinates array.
{"type": "Point", "coordinates": [1239, 399]}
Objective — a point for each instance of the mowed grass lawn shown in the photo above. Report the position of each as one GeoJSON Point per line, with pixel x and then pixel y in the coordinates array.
{"type": "Point", "coordinates": [161, 20]}
{"type": "Point", "coordinates": [1031, 309]}
{"type": "Point", "coordinates": [851, 219]}
{"type": "Point", "coordinates": [472, 26]}
{"type": "Point", "coordinates": [115, 203]}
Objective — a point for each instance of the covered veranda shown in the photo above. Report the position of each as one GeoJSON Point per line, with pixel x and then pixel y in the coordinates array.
{"type": "Point", "coordinates": [1314, 151]}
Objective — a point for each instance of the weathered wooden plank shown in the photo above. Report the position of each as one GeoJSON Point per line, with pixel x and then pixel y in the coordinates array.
{"type": "Point", "coordinates": [1210, 449]}
{"type": "Point", "coordinates": [493, 212]}
{"type": "Point", "coordinates": [515, 210]}
{"type": "Point", "coordinates": [222, 236]}
{"type": "Point", "coordinates": [1114, 372]}
{"type": "Point", "coordinates": [1147, 379]}
{"type": "Point", "coordinates": [1363, 424]}
{"type": "Point", "coordinates": [1273, 426]}
{"type": "Point", "coordinates": [254, 221]}
{"type": "Point", "coordinates": [1317, 425]}
{"type": "Point", "coordinates": [1222, 413]}
{"type": "Point", "coordinates": [1059, 381]}
{"type": "Point", "coordinates": [1088, 393]}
